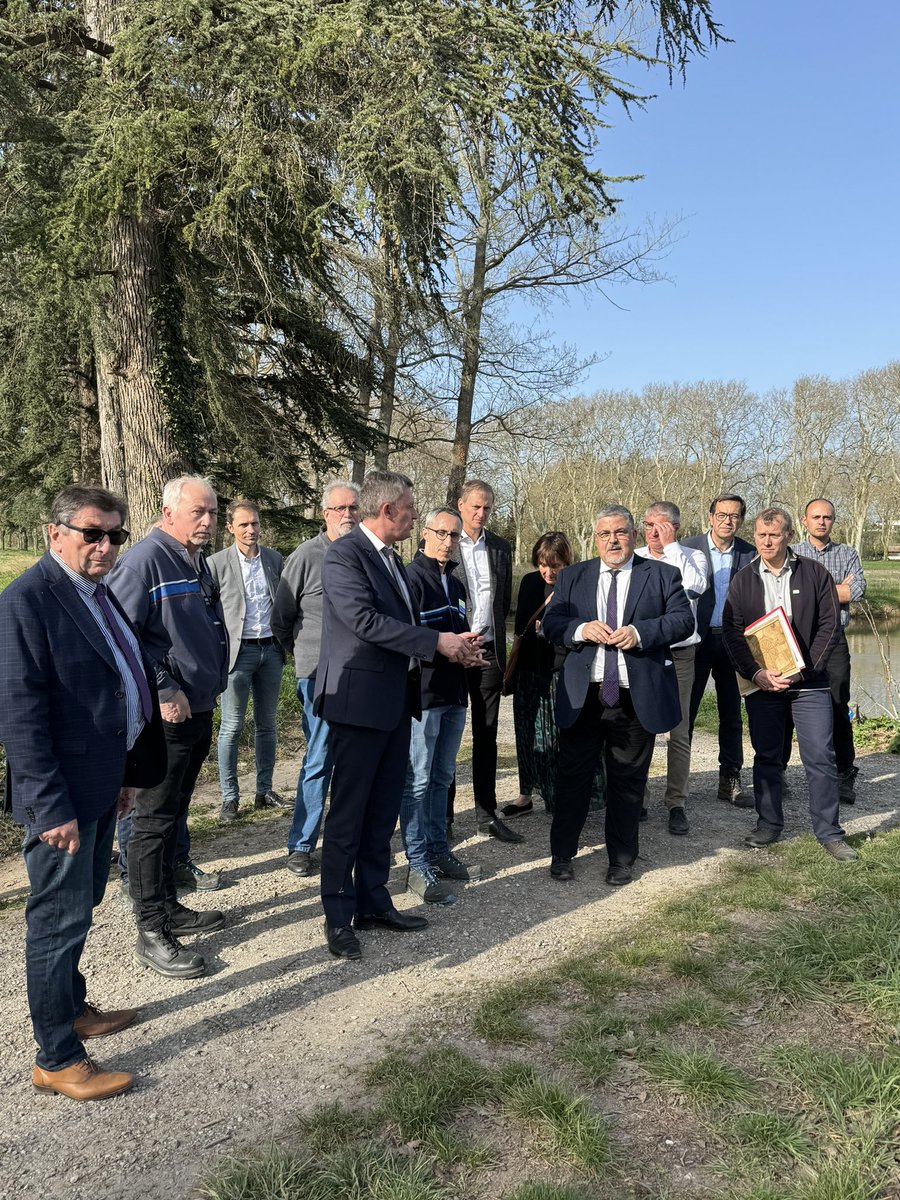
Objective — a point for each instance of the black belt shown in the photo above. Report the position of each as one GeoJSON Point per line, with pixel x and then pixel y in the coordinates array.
{"type": "Point", "coordinates": [269, 641]}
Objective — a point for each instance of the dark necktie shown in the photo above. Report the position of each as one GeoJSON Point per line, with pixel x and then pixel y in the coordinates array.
{"type": "Point", "coordinates": [610, 689]}
{"type": "Point", "coordinates": [388, 553]}
{"type": "Point", "coordinates": [121, 641]}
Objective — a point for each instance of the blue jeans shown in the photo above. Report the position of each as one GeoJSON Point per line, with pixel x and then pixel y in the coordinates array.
{"type": "Point", "coordinates": [315, 774]}
{"type": "Point", "coordinates": [65, 889]}
{"type": "Point", "coordinates": [257, 670]}
{"type": "Point", "coordinates": [123, 833]}
{"type": "Point", "coordinates": [767, 717]}
{"type": "Point", "coordinates": [433, 747]}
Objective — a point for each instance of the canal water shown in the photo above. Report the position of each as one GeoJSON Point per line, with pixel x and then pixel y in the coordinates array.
{"type": "Point", "coordinates": [868, 686]}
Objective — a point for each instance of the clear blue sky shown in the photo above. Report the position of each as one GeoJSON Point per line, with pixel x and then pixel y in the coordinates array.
{"type": "Point", "coordinates": [782, 154]}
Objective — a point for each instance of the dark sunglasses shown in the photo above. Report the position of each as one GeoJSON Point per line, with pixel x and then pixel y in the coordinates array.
{"type": "Point", "coordinates": [117, 537]}
{"type": "Point", "coordinates": [210, 589]}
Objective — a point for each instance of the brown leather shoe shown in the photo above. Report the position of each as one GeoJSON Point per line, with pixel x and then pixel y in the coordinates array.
{"type": "Point", "coordinates": [94, 1023]}
{"type": "Point", "coordinates": [84, 1080]}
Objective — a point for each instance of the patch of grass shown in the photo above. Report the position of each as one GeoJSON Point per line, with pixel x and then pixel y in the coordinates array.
{"type": "Point", "coordinates": [649, 949]}
{"type": "Point", "coordinates": [696, 913]}
{"type": "Point", "coordinates": [332, 1125]}
{"type": "Point", "coordinates": [708, 714]}
{"type": "Point", "coordinates": [842, 1086]}
{"type": "Point", "coordinates": [771, 1133]}
{"type": "Point", "coordinates": [11, 836]}
{"type": "Point", "coordinates": [589, 1043]}
{"type": "Point", "coordinates": [694, 1010]}
{"type": "Point", "coordinates": [601, 983]}
{"type": "Point", "coordinates": [564, 1122]}
{"type": "Point", "coordinates": [546, 1191]}
{"type": "Point", "coordinates": [754, 886]}
{"type": "Point", "coordinates": [699, 1075]}
{"type": "Point", "coordinates": [687, 965]}
{"type": "Point", "coordinates": [876, 734]}
{"type": "Point", "coordinates": [853, 1176]}
{"type": "Point", "coordinates": [503, 1015]}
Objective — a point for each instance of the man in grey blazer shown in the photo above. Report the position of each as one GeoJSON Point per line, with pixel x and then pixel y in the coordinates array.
{"type": "Point", "coordinates": [297, 623]}
{"type": "Point", "coordinates": [247, 575]}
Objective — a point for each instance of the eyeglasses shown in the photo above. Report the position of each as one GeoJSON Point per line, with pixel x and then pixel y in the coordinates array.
{"type": "Point", "coordinates": [343, 508]}
{"type": "Point", "coordinates": [443, 534]}
{"type": "Point", "coordinates": [618, 534]}
{"type": "Point", "coordinates": [736, 517]}
{"type": "Point", "coordinates": [209, 589]}
{"type": "Point", "coordinates": [117, 537]}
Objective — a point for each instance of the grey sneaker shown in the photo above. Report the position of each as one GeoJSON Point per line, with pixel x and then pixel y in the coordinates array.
{"type": "Point", "coordinates": [427, 885]}
{"type": "Point", "coordinates": [194, 879]}
{"type": "Point", "coordinates": [450, 867]}
{"type": "Point", "coordinates": [229, 812]}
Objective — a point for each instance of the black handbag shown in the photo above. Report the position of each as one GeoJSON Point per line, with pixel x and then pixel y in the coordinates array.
{"type": "Point", "coordinates": [511, 674]}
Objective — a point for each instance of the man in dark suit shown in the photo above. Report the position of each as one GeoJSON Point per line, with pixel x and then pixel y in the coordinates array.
{"type": "Point", "coordinates": [79, 718]}
{"type": "Point", "coordinates": [368, 690]}
{"type": "Point", "coordinates": [726, 554]}
{"type": "Point", "coordinates": [617, 616]}
{"type": "Point", "coordinates": [247, 575]}
{"type": "Point", "coordinates": [486, 573]}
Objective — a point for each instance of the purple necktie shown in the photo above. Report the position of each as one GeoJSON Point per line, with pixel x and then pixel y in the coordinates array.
{"type": "Point", "coordinates": [609, 692]}
{"type": "Point", "coordinates": [127, 653]}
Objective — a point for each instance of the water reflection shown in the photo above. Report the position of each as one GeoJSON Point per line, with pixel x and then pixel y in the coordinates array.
{"type": "Point", "coordinates": [867, 680]}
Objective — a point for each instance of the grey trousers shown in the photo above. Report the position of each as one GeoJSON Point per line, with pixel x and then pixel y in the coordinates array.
{"type": "Point", "coordinates": [678, 751]}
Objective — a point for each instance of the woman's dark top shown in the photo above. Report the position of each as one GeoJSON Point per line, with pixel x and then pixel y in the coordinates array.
{"type": "Point", "coordinates": [536, 654]}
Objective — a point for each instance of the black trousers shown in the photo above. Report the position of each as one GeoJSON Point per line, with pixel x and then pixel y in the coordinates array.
{"type": "Point", "coordinates": [366, 789]}
{"type": "Point", "coordinates": [157, 811]}
{"type": "Point", "coordinates": [484, 685]}
{"type": "Point", "coordinates": [839, 684]}
{"type": "Point", "coordinates": [712, 659]}
{"type": "Point", "coordinates": [627, 748]}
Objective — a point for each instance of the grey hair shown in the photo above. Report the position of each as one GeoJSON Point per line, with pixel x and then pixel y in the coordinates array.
{"type": "Point", "coordinates": [443, 511]}
{"type": "Point", "coordinates": [671, 511]}
{"type": "Point", "coordinates": [614, 510]}
{"type": "Point", "coordinates": [72, 499]}
{"type": "Point", "coordinates": [770, 515]}
{"type": "Point", "coordinates": [174, 488]}
{"type": "Point", "coordinates": [332, 486]}
{"type": "Point", "coordinates": [380, 488]}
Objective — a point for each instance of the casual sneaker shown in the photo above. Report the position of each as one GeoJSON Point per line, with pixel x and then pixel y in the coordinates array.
{"type": "Point", "coordinates": [450, 867]}
{"type": "Point", "coordinates": [426, 885]}
{"type": "Point", "coordinates": [229, 812]}
{"type": "Point", "coordinates": [271, 799]}
{"type": "Point", "coordinates": [731, 792]}
{"type": "Point", "coordinates": [194, 879]}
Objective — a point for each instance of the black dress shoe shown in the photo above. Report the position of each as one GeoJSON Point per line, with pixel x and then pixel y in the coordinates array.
{"type": "Point", "coordinates": [342, 941]}
{"type": "Point", "coordinates": [299, 863]}
{"type": "Point", "coordinates": [516, 810]}
{"type": "Point", "coordinates": [678, 822]}
{"type": "Point", "coordinates": [618, 875]}
{"type": "Point", "coordinates": [562, 869]}
{"type": "Point", "coordinates": [761, 837]}
{"type": "Point", "coordinates": [498, 829]}
{"type": "Point", "coordinates": [270, 800]}
{"type": "Point", "coordinates": [162, 952]}
{"type": "Point", "coordinates": [185, 921]}
{"type": "Point", "coordinates": [390, 919]}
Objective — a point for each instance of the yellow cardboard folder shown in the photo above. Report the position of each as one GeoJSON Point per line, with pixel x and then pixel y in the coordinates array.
{"type": "Point", "coordinates": [773, 645]}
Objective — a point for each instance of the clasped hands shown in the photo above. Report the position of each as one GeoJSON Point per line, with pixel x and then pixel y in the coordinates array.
{"type": "Point", "coordinates": [773, 681]}
{"type": "Point", "coordinates": [623, 638]}
{"type": "Point", "coordinates": [462, 648]}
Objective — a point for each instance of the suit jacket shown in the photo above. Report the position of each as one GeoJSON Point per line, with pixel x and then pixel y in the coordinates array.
{"type": "Point", "coordinates": [500, 559]}
{"type": "Point", "coordinates": [368, 638]}
{"type": "Point", "coordinates": [62, 706]}
{"type": "Point", "coordinates": [657, 606]}
{"type": "Point", "coordinates": [743, 554]}
{"type": "Point", "coordinates": [225, 568]}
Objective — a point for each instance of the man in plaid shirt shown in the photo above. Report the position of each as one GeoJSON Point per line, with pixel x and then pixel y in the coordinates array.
{"type": "Point", "coordinates": [842, 563]}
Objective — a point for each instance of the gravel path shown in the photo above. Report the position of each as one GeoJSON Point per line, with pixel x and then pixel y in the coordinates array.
{"type": "Point", "coordinates": [277, 1025]}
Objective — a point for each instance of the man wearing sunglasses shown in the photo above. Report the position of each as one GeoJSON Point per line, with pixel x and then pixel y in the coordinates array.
{"type": "Point", "coordinates": [80, 720]}
{"type": "Point", "coordinates": [166, 589]}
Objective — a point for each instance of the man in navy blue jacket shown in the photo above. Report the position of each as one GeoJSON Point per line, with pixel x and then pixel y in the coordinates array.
{"type": "Point", "coordinates": [439, 598]}
{"type": "Point", "coordinates": [80, 722]}
{"type": "Point", "coordinates": [367, 689]}
{"type": "Point", "coordinates": [617, 615]}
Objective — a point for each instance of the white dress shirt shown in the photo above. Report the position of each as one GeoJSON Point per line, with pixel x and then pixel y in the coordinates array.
{"type": "Point", "coordinates": [694, 575]}
{"type": "Point", "coordinates": [477, 566]}
{"type": "Point", "coordinates": [257, 601]}
{"type": "Point", "coordinates": [622, 584]}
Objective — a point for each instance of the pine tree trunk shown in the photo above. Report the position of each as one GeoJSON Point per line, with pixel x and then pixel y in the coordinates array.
{"type": "Point", "coordinates": [84, 383]}
{"type": "Point", "coordinates": [472, 314]}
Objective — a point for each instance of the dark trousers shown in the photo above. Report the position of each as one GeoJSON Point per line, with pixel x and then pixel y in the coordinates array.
{"type": "Point", "coordinates": [712, 659]}
{"type": "Point", "coordinates": [627, 748]}
{"type": "Point", "coordinates": [123, 836]}
{"type": "Point", "coordinates": [157, 813]}
{"type": "Point", "coordinates": [65, 889]}
{"type": "Point", "coordinates": [484, 685]}
{"type": "Point", "coordinates": [366, 789]}
{"type": "Point", "coordinates": [839, 681]}
{"type": "Point", "coordinates": [767, 716]}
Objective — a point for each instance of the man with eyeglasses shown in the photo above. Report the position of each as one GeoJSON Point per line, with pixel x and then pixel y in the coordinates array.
{"type": "Point", "coordinates": [247, 574]}
{"type": "Point", "coordinates": [80, 720]}
{"type": "Point", "coordinates": [617, 615]}
{"type": "Point", "coordinates": [440, 601]}
{"type": "Point", "coordinates": [166, 589]}
{"type": "Point", "coordinates": [725, 555]}
{"type": "Point", "coordinates": [297, 623]}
